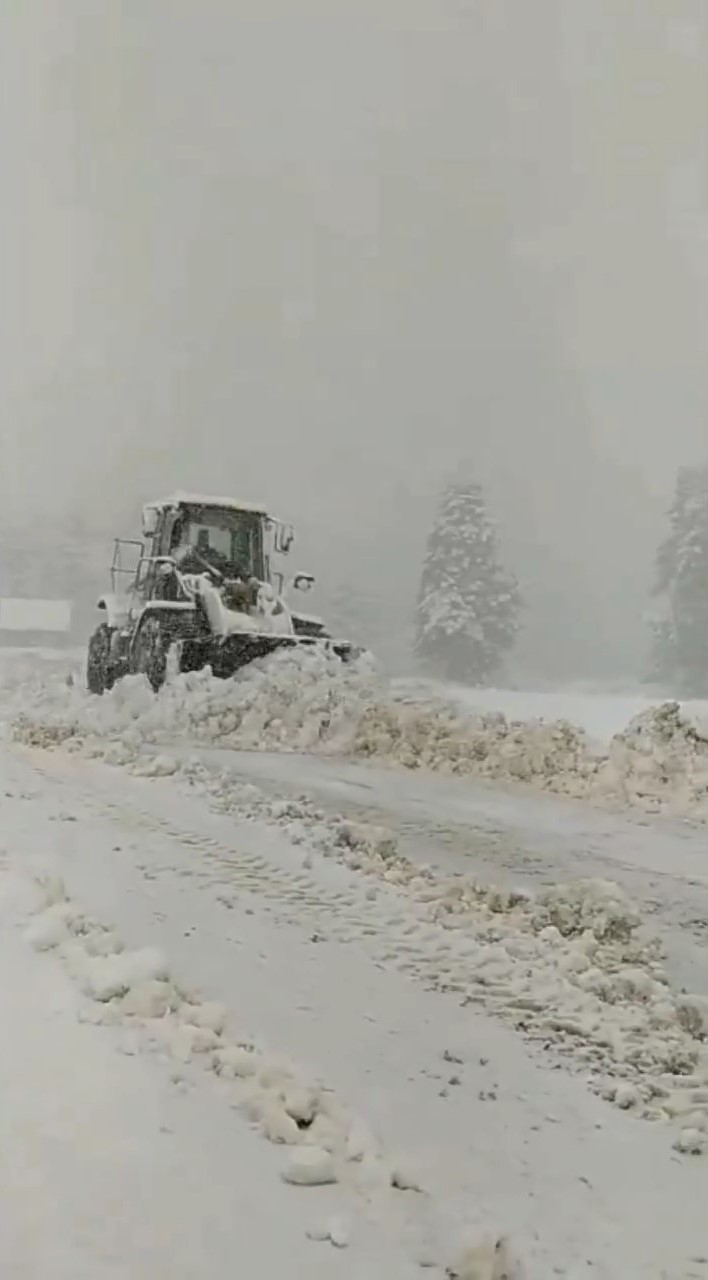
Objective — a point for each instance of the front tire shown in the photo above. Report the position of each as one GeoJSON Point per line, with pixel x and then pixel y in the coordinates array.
{"type": "Point", "coordinates": [150, 654]}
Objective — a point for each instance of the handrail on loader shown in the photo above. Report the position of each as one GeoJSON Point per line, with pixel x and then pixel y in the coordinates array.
{"type": "Point", "coordinates": [116, 566]}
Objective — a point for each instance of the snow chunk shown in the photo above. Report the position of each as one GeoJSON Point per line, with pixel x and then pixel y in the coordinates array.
{"type": "Point", "coordinates": [278, 1126]}
{"type": "Point", "coordinates": [485, 1257]}
{"type": "Point", "coordinates": [51, 927]}
{"type": "Point", "coordinates": [211, 1015]}
{"type": "Point", "coordinates": [337, 1232]}
{"type": "Point", "coordinates": [104, 977]}
{"type": "Point", "coordinates": [302, 1105]}
{"type": "Point", "coordinates": [693, 1015]}
{"type": "Point", "coordinates": [310, 1167]}
{"type": "Point", "coordinates": [405, 1178]}
{"type": "Point", "coordinates": [156, 767]}
{"type": "Point", "coordinates": [240, 1064]}
{"type": "Point", "coordinates": [151, 999]}
{"type": "Point", "coordinates": [691, 1142]}
{"type": "Point", "coordinates": [597, 906]}
{"type": "Point", "coordinates": [187, 1041]}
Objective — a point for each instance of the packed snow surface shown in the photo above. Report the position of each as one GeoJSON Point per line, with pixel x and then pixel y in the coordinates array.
{"type": "Point", "coordinates": [568, 966]}
{"type": "Point", "coordinates": [407, 1085]}
{"type": "Point", "coordinates": [309, 701]}
{"type": "Point", "coordinates": [115, 1164]}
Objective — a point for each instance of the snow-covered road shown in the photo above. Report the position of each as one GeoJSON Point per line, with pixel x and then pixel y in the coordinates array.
{"type": "Point", "coordinates": [106, 1168]}
{"type": "Point", "coordinates": [513, 836]}
{"type": "Point", "coordinates": [130, 1168]}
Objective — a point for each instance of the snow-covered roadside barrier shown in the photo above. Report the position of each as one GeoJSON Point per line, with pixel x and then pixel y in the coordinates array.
{"type": "Point", "coordinates": [310, 702]}
{"type": "Point", "coordinates": [322, 1143]}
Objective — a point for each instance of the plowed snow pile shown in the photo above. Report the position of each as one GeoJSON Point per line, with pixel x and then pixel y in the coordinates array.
{"type": "Point", "coordinates": [660, 762]}
{"type": "Point", "coordinates": [310, 702]}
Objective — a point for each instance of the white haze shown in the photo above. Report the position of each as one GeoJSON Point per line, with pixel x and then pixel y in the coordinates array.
{"type": "Point", "coordinates": [324, 252]}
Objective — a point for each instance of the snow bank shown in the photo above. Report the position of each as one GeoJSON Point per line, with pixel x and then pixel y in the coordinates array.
{"type": "Point", "coordinates": [600, 713]}
{"type": "Point", "coordinates": [325, 1145]}
{"type": "Point", "coordinates": [293, 700]}
{"type": "Point", "coordinates": [659, 762]}
{"type": "Point", "coordinates": [433, 737]}
{"type": "Point", "coordinates": [309, 701]}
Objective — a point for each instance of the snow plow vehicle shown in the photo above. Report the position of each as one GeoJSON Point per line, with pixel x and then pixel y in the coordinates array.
{"type": "Point", "coordinates": [201, 586]}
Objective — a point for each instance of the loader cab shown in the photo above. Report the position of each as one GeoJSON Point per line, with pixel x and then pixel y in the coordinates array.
{"type": "Point", "coordinates": [228, 538]}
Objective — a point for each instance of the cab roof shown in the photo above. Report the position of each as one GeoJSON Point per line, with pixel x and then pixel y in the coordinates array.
{"type": "Point", "coordinates": [183, 499]}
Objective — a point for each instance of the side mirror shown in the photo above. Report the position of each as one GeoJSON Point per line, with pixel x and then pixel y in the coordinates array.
{"type": "Point", "coordinates": [284, 538]}
{"type": "Point", "coordinates": [150, 516]}
{"type": "Point", "coordinates": [303, 581]}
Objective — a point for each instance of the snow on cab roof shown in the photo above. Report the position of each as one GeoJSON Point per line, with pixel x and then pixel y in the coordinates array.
{"type": "Point", "coordinates": [181, 498]}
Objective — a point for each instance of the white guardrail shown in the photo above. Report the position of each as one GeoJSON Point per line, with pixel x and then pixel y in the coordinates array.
{"type": "Point", "coordinates": [49, 616]}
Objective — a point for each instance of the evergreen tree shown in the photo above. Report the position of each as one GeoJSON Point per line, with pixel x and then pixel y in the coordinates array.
{"type": "Point", "coordinates": [468, 605]}
{"type": "Point", "coordinates": [680, 649]}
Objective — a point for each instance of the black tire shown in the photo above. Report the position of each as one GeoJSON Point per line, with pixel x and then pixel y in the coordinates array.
{"type": "Point", "coordinates": [99, 677]}
{"type": "Point", "coordinates": [194, 655]}
{"type": "Point", "coordinates": [150, 651]}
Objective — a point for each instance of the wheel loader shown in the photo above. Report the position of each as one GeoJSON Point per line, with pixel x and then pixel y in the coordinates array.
{"type": "Point", "coordinates": [201, 585]}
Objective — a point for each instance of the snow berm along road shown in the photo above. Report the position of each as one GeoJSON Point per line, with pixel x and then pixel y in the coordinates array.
{"type": "Point", "coordinates": [347, 979]}
{"type": "Point", "coordinates": [307, 701]}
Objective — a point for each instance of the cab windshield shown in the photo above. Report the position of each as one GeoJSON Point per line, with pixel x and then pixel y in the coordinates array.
{"type": "Point", "coordinates": [229, 541]}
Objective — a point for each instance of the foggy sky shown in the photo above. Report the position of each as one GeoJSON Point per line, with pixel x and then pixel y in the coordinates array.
{"type": "Point", "coordinates": [319, 252]}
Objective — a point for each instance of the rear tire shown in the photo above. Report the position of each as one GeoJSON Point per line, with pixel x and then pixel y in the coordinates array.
{"type": "Point", "coordinates": [99, 676]}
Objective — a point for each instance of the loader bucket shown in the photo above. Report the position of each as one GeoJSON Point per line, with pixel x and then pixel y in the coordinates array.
{"type": "Point", "coordinates": [227, 656]}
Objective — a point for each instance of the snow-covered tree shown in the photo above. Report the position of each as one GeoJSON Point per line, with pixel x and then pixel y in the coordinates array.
{"type": "Point", "coordinates": [468, 604]}
{"type": "Point", "coordinates": [680, 649]}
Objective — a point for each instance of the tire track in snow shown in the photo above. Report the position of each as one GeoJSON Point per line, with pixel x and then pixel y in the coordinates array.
{"type": "Point", "coordinates": [652, 1070]}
